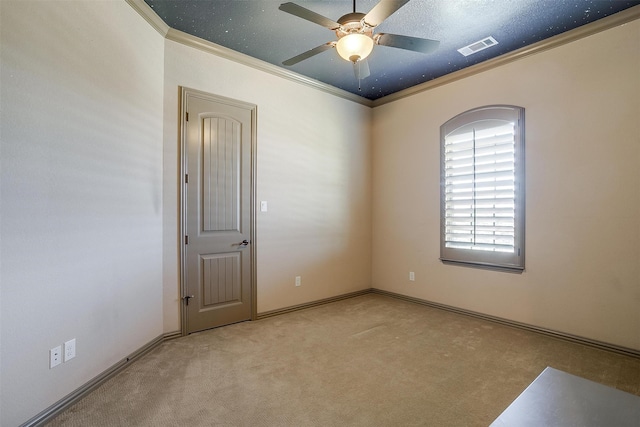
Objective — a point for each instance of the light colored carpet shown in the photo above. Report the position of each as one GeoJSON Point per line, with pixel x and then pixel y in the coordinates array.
{"type": "Point", "coordinates": [366, 361]}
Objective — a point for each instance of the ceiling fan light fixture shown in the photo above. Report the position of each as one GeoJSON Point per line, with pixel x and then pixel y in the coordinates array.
{"type": "Point", "coordinates": [354, 47]}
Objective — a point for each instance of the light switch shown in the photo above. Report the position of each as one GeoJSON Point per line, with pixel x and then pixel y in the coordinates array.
{"type": "Point", "coordinates": [263, 206]}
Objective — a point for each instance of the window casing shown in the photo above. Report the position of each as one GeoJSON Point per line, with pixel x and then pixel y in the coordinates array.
{"type": "Point", "coordinates": [482, 188]}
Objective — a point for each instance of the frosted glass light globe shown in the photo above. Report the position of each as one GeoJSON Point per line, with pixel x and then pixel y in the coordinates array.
{"type": "Point", "coordinates": [354, 47]}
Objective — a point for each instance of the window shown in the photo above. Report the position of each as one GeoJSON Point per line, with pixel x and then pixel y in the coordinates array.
{"type": "Point", "coordinates": [482, 188]}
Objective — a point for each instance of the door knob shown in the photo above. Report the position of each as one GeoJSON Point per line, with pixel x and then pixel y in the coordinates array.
{"type": "Point", "coordinates": [244, 243]}
{"type": "Point", "coordinates": [187, 298]}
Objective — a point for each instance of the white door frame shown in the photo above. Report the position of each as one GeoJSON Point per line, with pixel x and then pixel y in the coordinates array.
{"type": "Point", "coordinates": [184, 93]}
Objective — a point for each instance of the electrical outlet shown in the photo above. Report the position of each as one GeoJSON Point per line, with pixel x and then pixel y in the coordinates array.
{"type": "Point", "coordinates": [69, 350]}
{"type": "Point", "coordinates": [298, 281]}
{"type": "Point", "coordinates": [412, 276]}
{"type": "Point", "coordinates": [55, 357]}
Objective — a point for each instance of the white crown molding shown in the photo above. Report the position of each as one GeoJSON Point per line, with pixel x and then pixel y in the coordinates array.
{"type": "Point", "coordinates": [223, 52]}
{"type": "Point", "coordinates": [586, 30]}
{"type": "Point", "coordinates": [149, 15]}
{"type": "Point", "coordinates": [196, 42]}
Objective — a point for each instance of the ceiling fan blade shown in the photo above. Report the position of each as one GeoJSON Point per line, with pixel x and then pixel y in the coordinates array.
{"type": "Point", "coordinates": [361, 69]}
{"type": "Point", "coordinates": [383, 10]}
{"type": "Point", "coordinates": [415, 44]}
{"type": "Point", "coordinates": [309, 15]}
{"type": "Point", "coordinates": [309, 53]}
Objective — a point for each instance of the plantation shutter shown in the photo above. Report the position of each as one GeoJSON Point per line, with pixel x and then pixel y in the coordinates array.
{"type": "Point", "coordinates": [482, 192]}
{"type": "Point", "coordinates": [480, 187]}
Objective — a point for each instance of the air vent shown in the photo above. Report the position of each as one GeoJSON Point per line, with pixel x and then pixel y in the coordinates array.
{"type": "Point", "coordinates": [478, 46]}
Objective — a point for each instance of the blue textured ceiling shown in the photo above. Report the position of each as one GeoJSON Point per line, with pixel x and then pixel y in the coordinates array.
{"type": "Point", "coordinates": [257, 28]}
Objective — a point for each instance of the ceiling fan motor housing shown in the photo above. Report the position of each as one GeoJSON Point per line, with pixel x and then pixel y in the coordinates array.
{"type": "Point", "coordinates": [353, 23]}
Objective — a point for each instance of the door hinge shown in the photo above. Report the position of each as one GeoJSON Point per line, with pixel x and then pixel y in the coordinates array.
{"type": "Point", "coordinates": [186, 178]}
{"type": "Point", "coordinates": [186, 240]}
{"type": "Point", "coordinates": [187, 116]}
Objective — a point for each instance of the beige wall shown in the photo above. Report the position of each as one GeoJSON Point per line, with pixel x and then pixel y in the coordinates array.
{"type": "Point", "coordinates": [313, 161]}
{"type": "Point", "coordinates": [89, 196]}
{"type": "Point", "coordinates": [81, 199]}
{"type": "Point", "coordinates": [89, 190]}
{"type": "Point", "coordinates": [582, 275]}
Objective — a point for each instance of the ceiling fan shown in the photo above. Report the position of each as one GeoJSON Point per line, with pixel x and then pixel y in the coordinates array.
{"type": "Point", "coordinates": [355, 34]}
